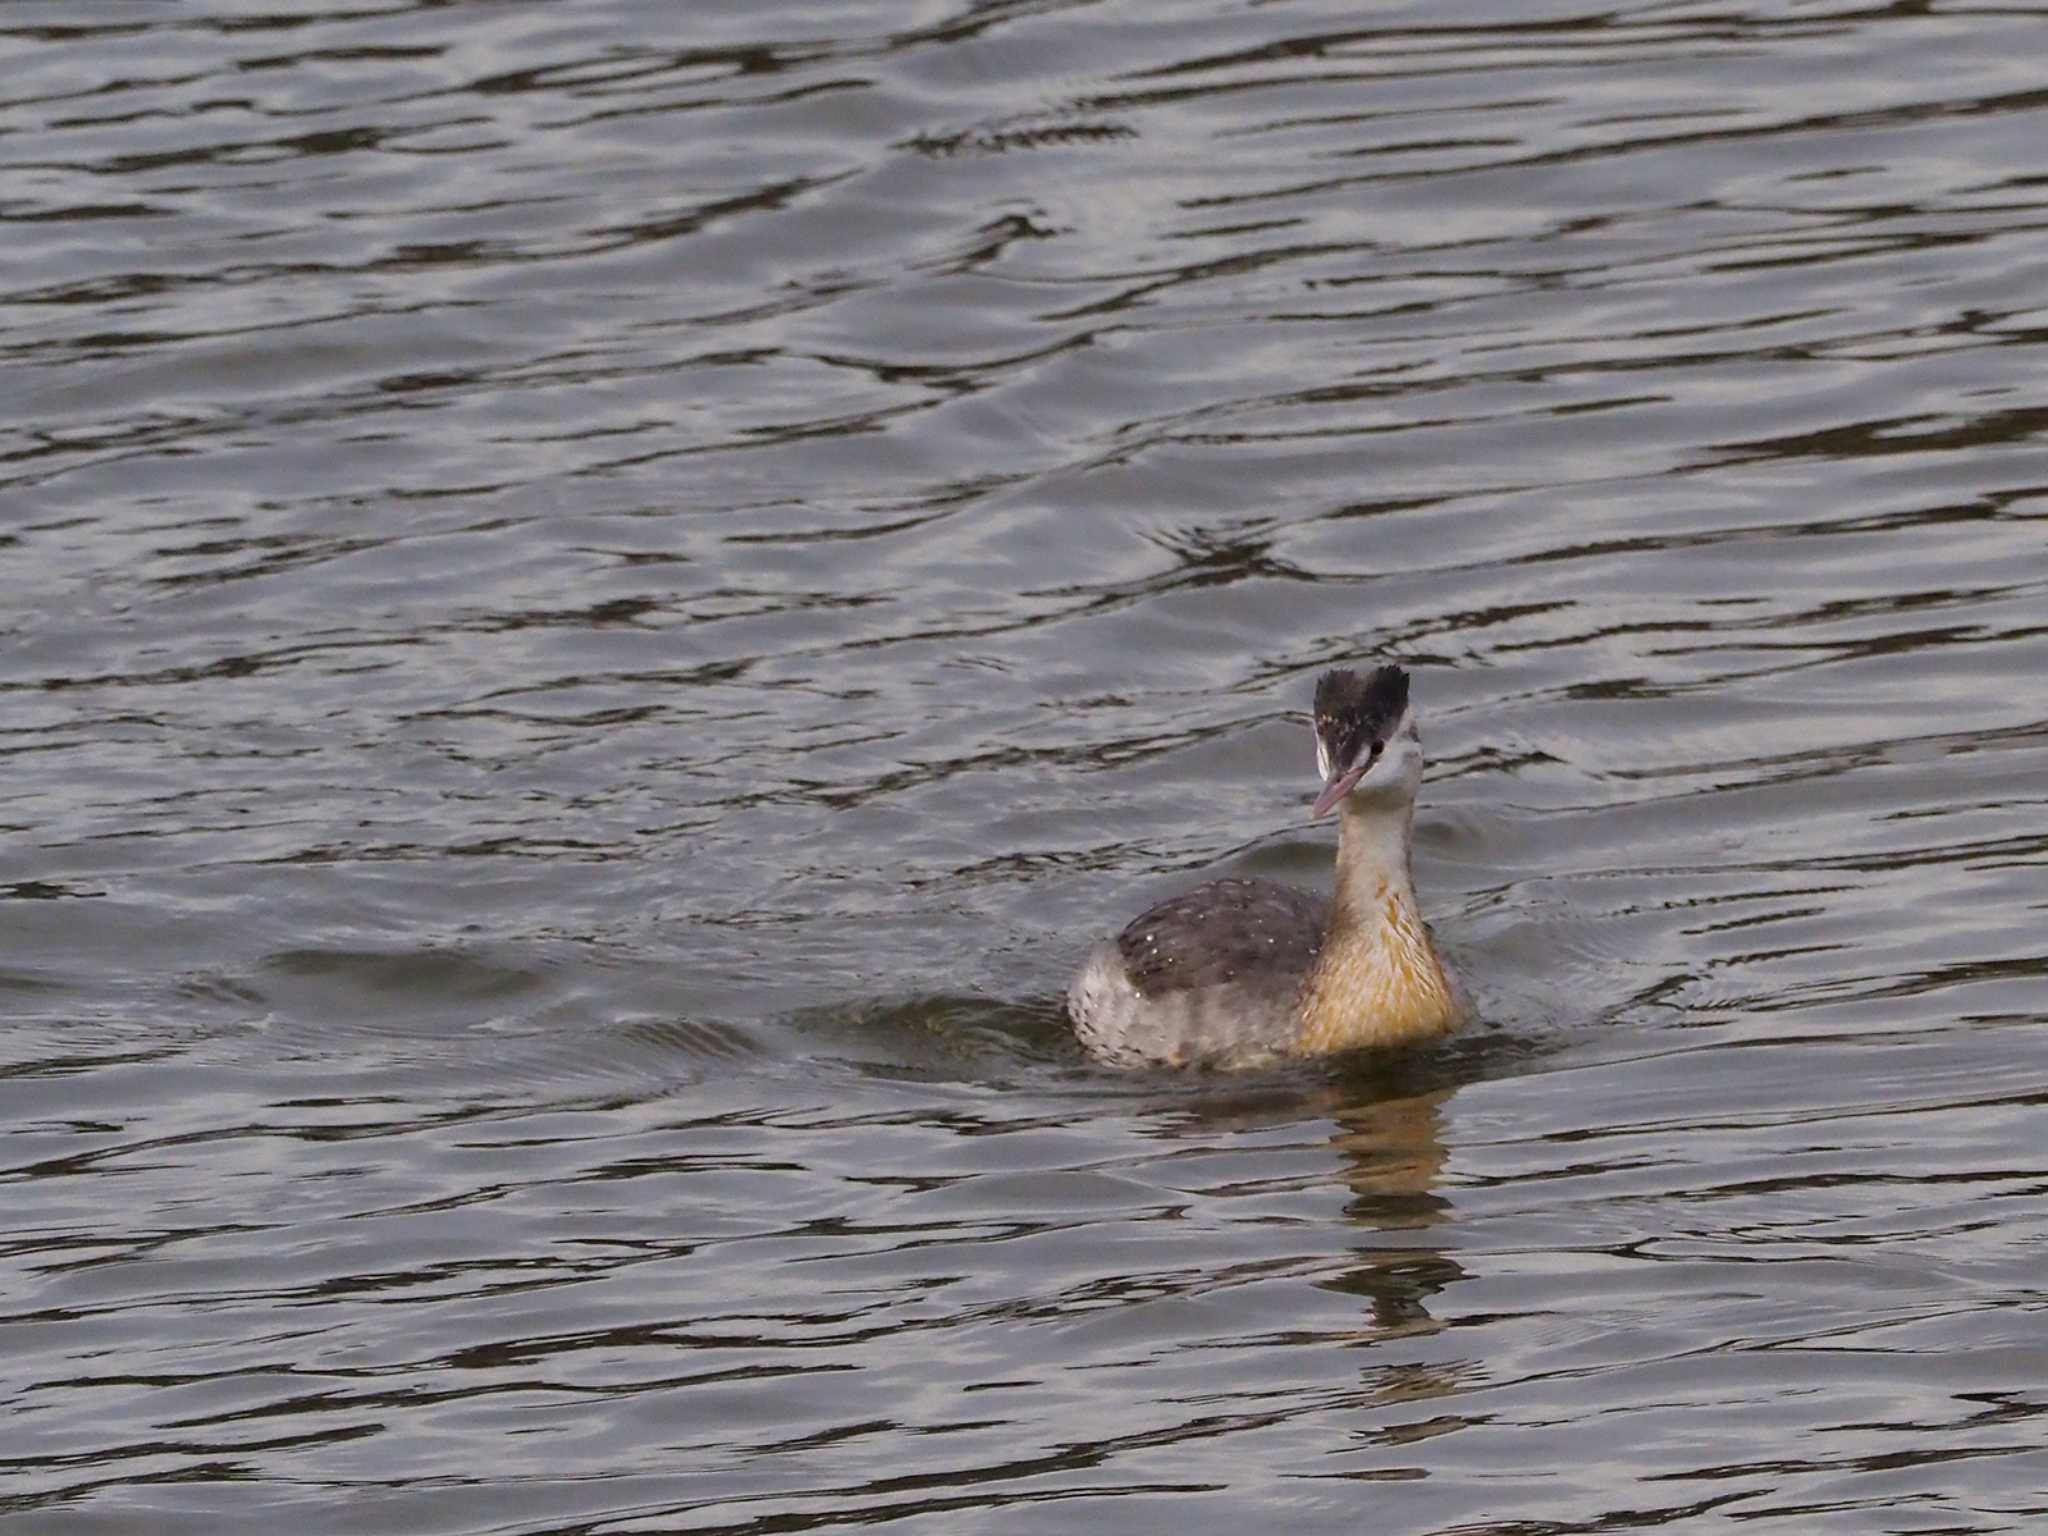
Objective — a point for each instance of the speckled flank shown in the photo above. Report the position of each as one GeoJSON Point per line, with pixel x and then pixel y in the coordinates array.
{"type": "Point", "coordinates": [1378, 980]}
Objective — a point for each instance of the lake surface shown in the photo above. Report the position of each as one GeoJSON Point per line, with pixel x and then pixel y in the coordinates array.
{"type": "Point", "coordinates": [598, 601]}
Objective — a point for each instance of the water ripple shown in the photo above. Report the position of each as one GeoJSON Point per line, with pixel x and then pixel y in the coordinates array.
{"type": "Point", "coordinates": [598, 609]}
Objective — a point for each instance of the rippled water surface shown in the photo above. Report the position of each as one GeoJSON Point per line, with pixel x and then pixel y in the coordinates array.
{"type": "Point", "coordinates": [600, 599]}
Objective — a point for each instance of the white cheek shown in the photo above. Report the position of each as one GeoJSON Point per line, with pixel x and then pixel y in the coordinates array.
{"type": "Point", "coordinates": [1322, 758]}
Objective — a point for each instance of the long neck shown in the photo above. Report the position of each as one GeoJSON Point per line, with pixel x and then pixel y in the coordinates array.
{"type": "Point", "coordinates": [1374, 860]}
{"type": "Point", "coordinates": [1377, 979]}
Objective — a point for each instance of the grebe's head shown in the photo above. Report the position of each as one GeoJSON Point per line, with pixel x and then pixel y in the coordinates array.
{"type": "Point", "coordinates": [1367, 746]}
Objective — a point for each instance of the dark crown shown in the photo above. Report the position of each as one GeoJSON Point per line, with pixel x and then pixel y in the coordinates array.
{"type": "Point", "coordinates": [1353, 711]}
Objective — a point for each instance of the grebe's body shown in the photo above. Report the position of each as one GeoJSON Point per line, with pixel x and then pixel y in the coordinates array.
{"type": "Point", "coordinates": [1240, 972]}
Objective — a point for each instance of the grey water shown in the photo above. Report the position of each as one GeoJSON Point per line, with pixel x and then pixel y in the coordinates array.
{"type": "Point", "coordinates": [598, 601]}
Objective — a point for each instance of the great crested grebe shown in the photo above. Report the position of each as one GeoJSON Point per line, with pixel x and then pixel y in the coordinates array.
{"type": "Point", "coordinates": [1240, 972]}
